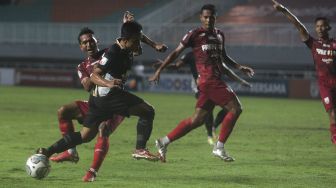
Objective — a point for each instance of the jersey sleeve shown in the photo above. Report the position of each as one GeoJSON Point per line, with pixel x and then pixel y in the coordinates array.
{"type": "Point", "coordinates": [309, 42]}
{"type": "Point", "coordinates": [81, 72]}
{"type": "Point", "coordinates": [187, 39]}
{"type": "Point", "coordinates": [105, 62]}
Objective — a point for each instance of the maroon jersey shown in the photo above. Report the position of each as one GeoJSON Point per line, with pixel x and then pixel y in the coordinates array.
{"type": "Point", "coordinates": [84, 70]}
{"type": "Point", "coordinates": [324, 55]}
{"type": "Point", "coordinates": [208, 48]}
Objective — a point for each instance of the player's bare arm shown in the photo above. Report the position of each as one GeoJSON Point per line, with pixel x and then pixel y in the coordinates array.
{"type": "Point", "coordinates": [87, 84]}
{"type": "Point", "coordinates": [157, 46]}
{"type": "Point", "coordinates": [234, 76]}
{"type": "Point", "coordinates": [175, 66]}
{"type": "Point", "coordinates": [304, 34]}
{"type": "Point", "coordinates": [170, 58]}
{"type": "Point", "coordinates": [244, 69]}
{"type": "Point", "coordinates": [97, 79]}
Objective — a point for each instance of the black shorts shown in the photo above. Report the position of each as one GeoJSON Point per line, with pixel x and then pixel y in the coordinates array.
{"type": "Point", "coordinates": [103, 108]}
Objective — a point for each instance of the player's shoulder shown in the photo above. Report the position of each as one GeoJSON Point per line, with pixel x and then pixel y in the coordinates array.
{"type": "Point", "coordinates": [218, 31]}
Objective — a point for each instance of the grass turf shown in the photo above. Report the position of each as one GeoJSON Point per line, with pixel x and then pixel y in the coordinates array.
{"type": "Point", "coordinates": [276, 143]}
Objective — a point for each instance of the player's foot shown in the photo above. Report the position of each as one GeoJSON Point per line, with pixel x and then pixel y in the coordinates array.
{"type": "Point", "coordinates": [90, 175]}
{"type": "Point", "coordinates": [42, 151]}
{"type": "Point", "coordinates": [162, 149]}
{"type": "Point", "coordinates": [144, 154]}
{"type": "Point", "coordinates": [333, 138]}
{"type": "Point", "coordinates": [211, 140]}
{"type": "Point", "coordinates": [220, 152]}
{"type": "Point", "coordinates": [65, 156]}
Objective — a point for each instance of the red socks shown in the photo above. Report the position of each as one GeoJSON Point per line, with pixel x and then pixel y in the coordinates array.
{"type": "Point", "coordinates": [182, 129]}
{"type": "Point", "coordinates": [332, 128]}
{"type": "Point", "coordinates": [227, 126]}
{"type": "Point", "coordinates": [100, 151]}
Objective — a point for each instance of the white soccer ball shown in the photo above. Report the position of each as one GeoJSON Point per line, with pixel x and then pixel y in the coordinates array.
{"type": "Point", "coordinates": [37, 166]}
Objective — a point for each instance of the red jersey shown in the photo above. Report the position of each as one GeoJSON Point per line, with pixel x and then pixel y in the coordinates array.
{"type": "Point", "coordinates": [207, 46]}
{"type": "Point", "coordinates": [84, 70]}
{"type": "Point", "coordinates": [324, 55]}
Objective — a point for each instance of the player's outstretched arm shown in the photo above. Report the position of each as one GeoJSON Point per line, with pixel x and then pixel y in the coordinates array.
{"type": "Point", "coordinates": [244, 69]}
{"type": "Point", "coordinates": [174, 66]}
{"type": "Point", "coordinates": [87, 84]}
{"type": "Point", "coordinates": [170, 58]}
{"type": "Point", "coordinates": [157, 46]}
{"type": "Point", "coordinates": [234, 76]}
{"type": "Point", "coordinates": [97, 79]}
{"type": "Point", "coordinates": [304, 34]}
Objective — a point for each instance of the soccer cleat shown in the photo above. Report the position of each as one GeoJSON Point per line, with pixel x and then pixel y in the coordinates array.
{"type": "Point", "coordinates": [42, 151]}
{"type": "Point", "coordinates": [65, 156]}
{"type": "Point", "coordinates": [90, 175]}
{"type": "Point", "coordinates": [210, 140]}
{"type": "Point", "coordinates": [162, 149]}
{"type": "Point", "coordinates": [144, 154]}
{"type": "Point", "coordinates": [220, 152]}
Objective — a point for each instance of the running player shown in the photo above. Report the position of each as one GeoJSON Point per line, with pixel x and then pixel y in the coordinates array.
{"type": "Point", "coordinates": [207, 43]}
{"type": "Point", "coordinates": [109, 98]}
{"type": "Point", "coordinates": [189, 60]}
{"type": "Point", "coordinates": [323, 50]}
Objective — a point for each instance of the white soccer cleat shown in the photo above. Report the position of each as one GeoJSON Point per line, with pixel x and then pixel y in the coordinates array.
{"type": "Point", "coordinates": [162, 149]}
{"type": "Point", "coordinates": [220, 152]}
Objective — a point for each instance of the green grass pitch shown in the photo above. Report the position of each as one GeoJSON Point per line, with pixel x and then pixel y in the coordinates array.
{"type": "Point", "coordinates": [276, 143]}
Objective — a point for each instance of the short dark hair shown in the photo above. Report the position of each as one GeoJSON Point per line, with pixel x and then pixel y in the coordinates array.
{"type": "Point", "coordinates": [84, 30]}
{"type": "Point", "coordinates": [129, 29]}
{"type": "Point", "coordinates": [210, 7]}
{"type": "Point", "coordinates": [323, 18]}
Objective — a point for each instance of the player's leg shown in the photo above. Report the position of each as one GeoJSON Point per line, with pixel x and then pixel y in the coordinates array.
{"type": "Point", "coordinates": [101, 148]}
{"type": "Point", "coordinates": [209, 127]}
{"type": "Point", "coordinates": [228, 123]}
{"type": "Point", "coordinates": [66, 114]}
{"type": "Point", "coordinates": [146, 114]}
{"type": "Point", "coordinates": [184, 127]}
{"type": "Point", "coordinates": [70, 140]}
{"type": "Point", "coordinates": [332, 119]}
{"type": "Point", "coordinates": [219, 117]}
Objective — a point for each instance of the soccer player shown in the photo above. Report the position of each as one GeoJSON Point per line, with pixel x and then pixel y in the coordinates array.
{"type": "Point", "coordinates": [324, 54]}
{"type": "Point", "coordinates": [207, 43]}
{"type": "Point", "coordinates": [109, 98]}
{"type": "Point", "coordinates": [189, 60]}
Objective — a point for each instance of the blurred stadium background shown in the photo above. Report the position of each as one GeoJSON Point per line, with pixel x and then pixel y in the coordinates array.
{"type": "Point", "coordinates": [39, 44]}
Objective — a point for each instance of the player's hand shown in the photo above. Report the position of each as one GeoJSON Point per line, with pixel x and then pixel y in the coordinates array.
{"type": "Point", "coordinates": [277, 6]}
{"type": "Point", "coordinates": [246, 84]}
{"type": "Point", "coordinates": [161, 47]}
{"type": "Point", "coordinates": [115, 83]}
{"type": "Point", "coordinates": [128, 17]}
{"type": "Point", "coordinates": [247, 71]}
{"type": "Point", "coordinates": [155, 78]}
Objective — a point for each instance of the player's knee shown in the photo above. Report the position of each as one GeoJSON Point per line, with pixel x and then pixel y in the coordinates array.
{"type": "Point", "coordinates": [197, 121]}
{"type": "Point", "coordinates": [61, 112]}
{"type": "Point", "coordinates": [150, 113]}
{"type": "Point", "coordinates": [104, 130]}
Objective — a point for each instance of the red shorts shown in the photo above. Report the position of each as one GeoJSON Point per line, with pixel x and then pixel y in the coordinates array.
{"type": "Point", "coordinates": [328, 96]}
{"type": "Point", "coordinates": [214, 93]}
{"type": "Point", "coordinates": [113, 123]}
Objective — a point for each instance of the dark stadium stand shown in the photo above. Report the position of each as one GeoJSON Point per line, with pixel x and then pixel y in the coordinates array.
{"type": "Point", "coordinates": [261, 11]}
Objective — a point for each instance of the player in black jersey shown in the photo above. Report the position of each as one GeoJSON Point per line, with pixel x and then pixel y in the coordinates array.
{"type": "Point", "coordinates": [109, 97]}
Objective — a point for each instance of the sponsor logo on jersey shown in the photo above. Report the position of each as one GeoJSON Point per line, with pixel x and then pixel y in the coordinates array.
{"type": "Point", "coordinates": [202, 35]}
{"type": "Point", "coordinates": [326, 45]}
{"type": "Point", "coordinates": [327, 61]}
{"type": "Point", "coordinates": [325, 52]}
{"type": "Point", "coordinates": [207, 47]}
{"type": "Point", "coordinates": [103, 61]}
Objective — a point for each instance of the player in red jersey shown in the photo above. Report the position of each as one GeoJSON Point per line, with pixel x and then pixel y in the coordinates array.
{"type": "Point", "coordinates": [324, 54]}
{"type": "Point", "coordinates": [207, 43]}
{"type": "Point", "coordinates": [209, 123]}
